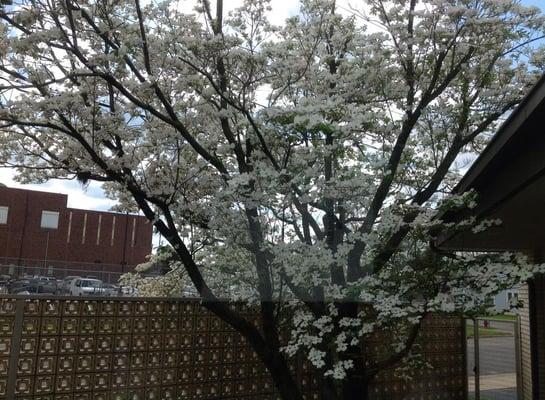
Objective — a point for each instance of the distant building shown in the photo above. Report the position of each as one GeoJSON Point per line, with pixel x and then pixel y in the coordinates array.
{"type": "Point", "coordinates": [505, 300]}
{"type": "Point", "coordinates": [39, 234]}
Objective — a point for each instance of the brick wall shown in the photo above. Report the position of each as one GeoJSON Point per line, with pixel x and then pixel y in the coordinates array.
{"type": "Point", "coordinates": [82, 236]}
{"type": "Point", "coordinates": [525, 344]}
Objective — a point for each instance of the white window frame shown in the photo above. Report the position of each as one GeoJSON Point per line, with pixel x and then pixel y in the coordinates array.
{"type": "Point", "coordinates": [512, 294]}
{"type": "Point", "coordinates": [4, 211]}
{"type": "Point", "coordinates": [50, 219]}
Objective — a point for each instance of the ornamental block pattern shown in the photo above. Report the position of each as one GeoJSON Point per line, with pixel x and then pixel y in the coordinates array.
{"type": "Point", "coordinates": [146, 349]}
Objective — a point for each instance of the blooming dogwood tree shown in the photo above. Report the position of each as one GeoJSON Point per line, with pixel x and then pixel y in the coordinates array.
{"type": "Point", "coordinates": [304, 167]}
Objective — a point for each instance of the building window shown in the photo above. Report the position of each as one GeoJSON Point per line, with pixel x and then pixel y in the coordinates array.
{"type": "Point", "coordinates": [4, 215]}
{"type": "Point", "coordinates": [512, 297]}
{"type": "Point", "coordinates": [50, 219]}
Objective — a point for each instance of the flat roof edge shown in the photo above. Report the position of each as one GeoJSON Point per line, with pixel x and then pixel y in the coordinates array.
{"type": "Point", "coordinates": [117, 213]}
{"type": "Point", "coordinates": [33, 191]}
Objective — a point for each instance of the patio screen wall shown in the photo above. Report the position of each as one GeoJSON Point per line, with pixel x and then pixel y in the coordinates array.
{"type": "Point", "coordinates": [66, 348]}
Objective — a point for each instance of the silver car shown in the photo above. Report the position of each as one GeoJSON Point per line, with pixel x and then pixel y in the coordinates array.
{"type": "Point", "coordinates": [64, 287]}
{"type": "Point", "coordinates": [86, 287]}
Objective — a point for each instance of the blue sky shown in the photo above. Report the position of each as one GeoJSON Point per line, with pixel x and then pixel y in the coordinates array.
{"type": "Point", "coordinates": [538, 3]}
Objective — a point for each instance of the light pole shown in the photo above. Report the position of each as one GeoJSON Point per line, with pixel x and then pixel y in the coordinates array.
{"type": "Point", "coordinates": [46, 251]}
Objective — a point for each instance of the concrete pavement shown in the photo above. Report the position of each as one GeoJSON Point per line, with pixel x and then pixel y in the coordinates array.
{"type": "Point", "coordinates": [496, 381]}
{"type": "Point", "coordinates": [498, 368]}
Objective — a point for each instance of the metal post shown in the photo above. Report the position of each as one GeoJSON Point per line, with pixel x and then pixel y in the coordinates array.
{"type": "Point", "coordinates": [124, 261]}
{"type": "Point", "coordinates": [15, 348]}
{"type": "Point", "coordinates": [476, 369]}
{"type": "Point", "coordinates": [518, 359]}
{"type": "Point", "coordinates": [46, 251]}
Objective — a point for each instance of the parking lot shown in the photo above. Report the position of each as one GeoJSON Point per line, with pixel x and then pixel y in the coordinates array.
{"type": "Point", "coordinates": [71, 286]}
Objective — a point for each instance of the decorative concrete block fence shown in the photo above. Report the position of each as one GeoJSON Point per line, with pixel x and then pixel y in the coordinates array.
{"type": "Point", "coordinates": [66, 348]}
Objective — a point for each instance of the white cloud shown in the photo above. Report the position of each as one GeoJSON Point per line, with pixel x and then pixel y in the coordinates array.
{"type": "Point", "coordinates": [89, 198]}
{"type": "Point", "coordinates": [281, 9]}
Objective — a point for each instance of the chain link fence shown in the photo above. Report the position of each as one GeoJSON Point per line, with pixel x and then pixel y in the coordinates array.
{"type": "Point", "coordinates": [19, 268]}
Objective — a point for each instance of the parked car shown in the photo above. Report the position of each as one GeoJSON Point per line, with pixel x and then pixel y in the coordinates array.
{"type": "Point", "coordinates": [64, 286]}
{"type": "Point", "coordinates": [86, 287]}
{"type": "Point", "coordinates": [5, 281]}
{"type": "Point", "coordinates": [129, 291]}
{"type": "Point", "coordinates": [111, 290]}
{"type": "Point", "coordinates": [48, 283]}
{"type": "Point", "coordinates": [32, 286]}
{"type": "Point", "coordinates": [45, 278]}
{"type": "Point", "coordinates": [18, 286]}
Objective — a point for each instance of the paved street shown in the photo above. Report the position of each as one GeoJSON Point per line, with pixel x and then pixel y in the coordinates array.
{"type": "Point", "coordinates": [506, 326]}
{"type": "Point", "coordinates": [498, 371]}
{"type": "Point", "coordinates": [497, 355]}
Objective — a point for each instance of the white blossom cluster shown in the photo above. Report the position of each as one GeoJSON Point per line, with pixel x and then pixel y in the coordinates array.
{"type": "Point", "coordinates": [306, 168]}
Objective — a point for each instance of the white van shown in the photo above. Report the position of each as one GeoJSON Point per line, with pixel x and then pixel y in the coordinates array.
{"type": "Point", "coordinates": [85, 287]}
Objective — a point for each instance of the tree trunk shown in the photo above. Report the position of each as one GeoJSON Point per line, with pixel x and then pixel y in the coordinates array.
{"type": "Point", "coordinates": [356, 384]}
{"type": "Point", "coordinates": [282, 378]}
{"type": "Point", "coordinates": [356, 389]}
{"type": "Point", "coordinates": [353, 388]}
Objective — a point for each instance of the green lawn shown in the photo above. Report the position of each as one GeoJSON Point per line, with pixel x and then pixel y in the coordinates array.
{"type": "Point", "coordinates": [504, 317]}
{"type": "Point", "coordinates": [483, 332]}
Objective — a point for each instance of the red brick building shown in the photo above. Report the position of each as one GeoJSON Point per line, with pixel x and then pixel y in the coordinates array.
{"type": "Point", "coordinates": [38, 230]}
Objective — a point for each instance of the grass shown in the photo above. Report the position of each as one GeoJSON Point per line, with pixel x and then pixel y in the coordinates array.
{"type": "Point", "coordinates": [503, 317]}
{"type": "Point", "coordinates": [483, 332]}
